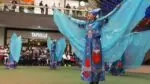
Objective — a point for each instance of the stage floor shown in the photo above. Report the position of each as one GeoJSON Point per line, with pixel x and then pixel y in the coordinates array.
{"type": "Point", "coordinates": [142, 69]}
{"type": "Point", "coordinates": [69, 75]}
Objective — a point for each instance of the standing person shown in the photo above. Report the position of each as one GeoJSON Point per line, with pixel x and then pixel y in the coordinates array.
{"type": "Point", "coordinates": [46, 9]}
{"type": "Point", "coordinates": [14, 2]}
{"type": "Point", "coordinates": [41, 7]}
{"type": "Point", "coordinates": [56, 49]}
{"type": "Point", "coordinates": [93, 61]}
{"type": "Point", "coordinates": [74, 11]}
{"type": "Point", "coordinates": [32, 8]}
{"type": "Point", "coordinates": [53, 6]}
{"type": "Point", "coordinates": [93, 66]}
{"type": "Point", "coordinates": [5, 8]}
{"type": "Point", "coordinates": [59, 5]}
{"type": "Point", "coordinates": [67, 9]}
{"type": "Point", "coordinates": [68, 53]}
{"type": "Point", "coordinates": [53, 59]}
{"type": "Point", "coordinates": [79, 13]}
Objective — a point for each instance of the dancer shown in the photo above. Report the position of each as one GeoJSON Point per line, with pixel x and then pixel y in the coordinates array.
{"type": "Point", "coordinates": [115, 36]}
{"type": "Point", "coordinates": [93, 61]}
{"type": "Point", "coordinates": [117, 68]}
{"type": "Point", "coordinates": [15, 51]}
{"type": "Point", "coordinates": [53, 59]}
{"type": "Point", "coordinates": [56, 49]}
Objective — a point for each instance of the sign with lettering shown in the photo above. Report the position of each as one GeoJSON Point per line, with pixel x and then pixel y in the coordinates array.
{"type": "Point", "coordinates": [39, 35]}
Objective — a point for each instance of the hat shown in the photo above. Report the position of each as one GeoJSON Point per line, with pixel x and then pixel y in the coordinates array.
{"type": "Point", "coordinates": [95, 11]}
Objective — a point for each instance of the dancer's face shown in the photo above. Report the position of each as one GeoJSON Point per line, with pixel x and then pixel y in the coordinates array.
{"type": "Point", "coordinates": [90, 16]}
{"type": "Point", "coordinates": [90, 34]}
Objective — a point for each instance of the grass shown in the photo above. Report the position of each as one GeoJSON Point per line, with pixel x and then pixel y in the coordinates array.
{"type": "Point", "coordinates": [42, 75]}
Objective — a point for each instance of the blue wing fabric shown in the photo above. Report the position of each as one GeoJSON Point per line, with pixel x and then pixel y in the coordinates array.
{"type": "Point", "coordinates": [126, 46]}
{"type": "Point", "coordinates": [135, 52]}
{"type": "Point", "coordinates": [18, 49]}
{"type": "Point", "coordinates": [123, 21]}
{"type": "Point", "coordinates": [15, 48]}
{"type": "Point", "coordinates": [72, 31]}
{"type": "Point", "coordinates": [12, 46]}
{"type": "Point", "coordinates": [116, 34]}
{"type": "Point", "coordinates": [117, 50]}
{"type": "Point", "coordinates": [60, 48]}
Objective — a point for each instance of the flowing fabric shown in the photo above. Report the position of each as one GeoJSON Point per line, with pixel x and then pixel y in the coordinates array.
{"type": "Point", "coordinates": [60, 48]}
{"type": "Point", "coordinates": [56, 49]}
{"type": "Point", "coordinates": [123, 21]}
{"type": "Point", "coordinates": [115, 35]}
{"type": "Point", "coordinates": [132, 58]}
{"type": "Point", "coordinates": [49, 42]}
{"type": "Point", "coordinates": [18, 49]}
{"type": "Point", "coordinates": [12, 45]}
{"type": "Point", "coordinates": [72, 31]}
{"type": "Point", "coordinates": [134, 54]}
{"type": "Point", "coordinates": [15, 48]}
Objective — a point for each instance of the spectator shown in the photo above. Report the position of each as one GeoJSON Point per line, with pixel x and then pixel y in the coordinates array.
{"type": "Point", "coordinates": [46, 9]}
{"type": "Point", "coordinates": [41, 6]}
{"type": "Point", "coordinates": [32, 8]}
{"type": "Point", "coordinates": [14, 2]}
{"type": "Point", "coordinates": [59, 5]}
{"type": "Point", "coordinates": [79, 13]}
{"type": "Point", "coordinates": [21, 9]}
{"type": "Point", "coordinates": [5, 8]}
{"type": "Point", "coordinates": [74, 11]}
{"type": "Point", "coordinates": [67, 9]}
{"type": "Point", "coordinates": [54, 5]}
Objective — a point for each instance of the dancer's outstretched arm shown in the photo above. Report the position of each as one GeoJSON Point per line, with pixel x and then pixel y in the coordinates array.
{"type": "Point", "coordinates": [77, 21]}
{"type": "Point", "coordinates": [109, 14]}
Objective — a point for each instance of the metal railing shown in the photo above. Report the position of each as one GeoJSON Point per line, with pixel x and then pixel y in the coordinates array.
{"type": "Point", "coordinates": [34, 9]}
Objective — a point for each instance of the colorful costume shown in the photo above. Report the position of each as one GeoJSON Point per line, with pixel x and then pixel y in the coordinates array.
{"type": "Point", "coordinates": [115, 37]}
{"type": "Point", "coordinates": [93, 64]}
{"type": "Point", "coordinates": [93, 61]}
{"type": "Point", "coordinates": [56, 49]}
{"type": "Point", "coordinates": [117, 68]}
{"type": "Point", "coordinates": [53, 58]}
{"type": "Point", "coordinates": [15, 51]}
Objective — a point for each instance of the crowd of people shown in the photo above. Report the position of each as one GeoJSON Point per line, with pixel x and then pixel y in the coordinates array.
{"type": "Point", "coordinates": [37, 56]}
{"type": "Point", "coordinates": [44, 8]}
